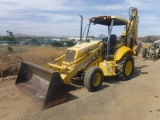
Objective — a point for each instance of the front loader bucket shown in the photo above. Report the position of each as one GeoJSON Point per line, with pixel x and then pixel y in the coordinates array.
{"type": "Point", "coordinates": [43, 85]}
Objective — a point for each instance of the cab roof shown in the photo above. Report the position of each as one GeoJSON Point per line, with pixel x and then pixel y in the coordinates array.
{"type": "Point", "coordinates": [106, 20]}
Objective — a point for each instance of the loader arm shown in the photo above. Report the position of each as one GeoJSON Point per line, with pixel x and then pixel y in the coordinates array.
{"type": "Point", "coordinates": [68, 70]}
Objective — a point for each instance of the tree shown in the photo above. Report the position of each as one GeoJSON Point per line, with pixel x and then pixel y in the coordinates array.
{"type": "Point", "coordinates": [57, 44]}
{"type": "Point", "coordinates": [10, 37]}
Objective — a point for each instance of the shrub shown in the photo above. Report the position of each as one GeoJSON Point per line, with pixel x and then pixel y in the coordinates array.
{"type": "Point", "coordinates": [10, 49]}
{"type": "Point", "coordinates": [70, 43]}
{"type": "Point", "coordinates": [57, 44]}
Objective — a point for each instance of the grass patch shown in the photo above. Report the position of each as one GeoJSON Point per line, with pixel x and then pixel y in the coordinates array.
{"type": "Point", "coordinates": [10, 63]}
{"type": "Point", "coordinates": [42, 55]}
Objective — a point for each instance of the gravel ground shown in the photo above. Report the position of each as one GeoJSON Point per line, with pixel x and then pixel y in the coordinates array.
{"type": "Point", "coordinates": [135, 99]}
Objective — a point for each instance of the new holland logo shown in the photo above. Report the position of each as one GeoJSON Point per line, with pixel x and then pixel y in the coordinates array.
{"type": "Point", "coordinates": [70, 51]}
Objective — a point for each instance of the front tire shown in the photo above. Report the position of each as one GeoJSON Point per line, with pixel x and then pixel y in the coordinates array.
{"type": "Point", "coordinates": [125, 68]}
{"type": "Point", "coordinates": [93, 79]}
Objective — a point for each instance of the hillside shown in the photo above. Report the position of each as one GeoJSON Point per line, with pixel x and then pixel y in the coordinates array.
{"type": "Point", "coordinates": [150, 38]}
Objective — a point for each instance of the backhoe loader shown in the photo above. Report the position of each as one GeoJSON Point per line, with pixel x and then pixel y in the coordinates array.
{"type": "Point", "coordinates": [90, 61]}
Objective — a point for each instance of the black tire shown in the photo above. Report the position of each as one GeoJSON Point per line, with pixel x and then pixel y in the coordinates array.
{"type": "Point", "coordinates": [93, 79]}
{"type": "Point", "coordinates": [144, 52]}
{"type": "Point", "coordinates": [124, 73]}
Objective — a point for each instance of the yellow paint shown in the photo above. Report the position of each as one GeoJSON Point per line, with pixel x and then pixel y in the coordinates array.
{"type": "Point", "coordinates": [123, 51]}
{"type": "Point", "coordinates": [108, 67]}
{"type": "Point", "coordinates": [128, 68]}
{"type": "Point", "coordinates": [97, 79]}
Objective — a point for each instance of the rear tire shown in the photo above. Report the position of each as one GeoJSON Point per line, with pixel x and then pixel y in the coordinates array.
{"type": "Point", "coordinates": [125, 68]}
{"type": "Point", "coordinates": [93, 79]}
{"type": "Point", "coordinates": [144, 52]}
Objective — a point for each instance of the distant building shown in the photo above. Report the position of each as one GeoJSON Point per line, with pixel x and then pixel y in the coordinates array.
{"type": "Point", "coordinates": [41, 42]}
{"type": "Point", "coordinates": [4, 42]}
{"type": "Point", "coordinates": [75, 38]}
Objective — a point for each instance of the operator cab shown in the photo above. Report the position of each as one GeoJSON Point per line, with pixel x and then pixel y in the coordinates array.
{"type": "Point", "coordinates": [110, 40]}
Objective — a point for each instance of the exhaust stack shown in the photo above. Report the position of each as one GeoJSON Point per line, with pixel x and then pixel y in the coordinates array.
{"type": "Point", "coordinates": [81, 28]}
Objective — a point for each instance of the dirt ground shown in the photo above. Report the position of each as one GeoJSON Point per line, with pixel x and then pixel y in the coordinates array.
{"type": "Point", "coordinates": [135, 99]}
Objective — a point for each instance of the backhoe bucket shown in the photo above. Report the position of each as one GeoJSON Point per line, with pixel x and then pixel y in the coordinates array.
{"type": "Point", "coordinates": [43, 85]}
{"type": "Point", "coordinates": [139, 46]}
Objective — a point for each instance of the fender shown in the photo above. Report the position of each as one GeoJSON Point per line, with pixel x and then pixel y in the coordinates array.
{"type": "Point", "coordinates": [122, 51]}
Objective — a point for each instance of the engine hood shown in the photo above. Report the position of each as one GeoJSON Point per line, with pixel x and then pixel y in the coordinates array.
{"type": "Point", "coordinates": [79, 50]}
{"type": "Point", "coordinates": [86, 46]}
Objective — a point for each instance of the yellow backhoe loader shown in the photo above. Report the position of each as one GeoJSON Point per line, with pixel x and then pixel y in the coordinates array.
{"type": "Point", "coordinates": [90, 60]}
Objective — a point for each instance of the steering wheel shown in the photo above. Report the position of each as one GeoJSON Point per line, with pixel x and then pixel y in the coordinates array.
{"type": "Point", "coordinates": [102, 36]}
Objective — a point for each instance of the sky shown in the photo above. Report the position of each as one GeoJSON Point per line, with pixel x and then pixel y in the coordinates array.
{"type": "Point", "coordinates": [61, 17]}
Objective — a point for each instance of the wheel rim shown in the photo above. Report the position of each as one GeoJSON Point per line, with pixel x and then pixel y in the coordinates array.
{"type": "Point", "coordinates": [96, 79]}
{"type": "Point", "coordinates": [128, 68]}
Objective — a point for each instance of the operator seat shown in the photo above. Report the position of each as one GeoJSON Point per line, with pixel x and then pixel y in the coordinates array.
{"type": "Point", "coordinates": [113, 43]}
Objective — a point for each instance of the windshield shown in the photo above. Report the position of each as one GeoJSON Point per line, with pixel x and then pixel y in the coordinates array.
{"type": "Point", "coordinates": [101, 32]}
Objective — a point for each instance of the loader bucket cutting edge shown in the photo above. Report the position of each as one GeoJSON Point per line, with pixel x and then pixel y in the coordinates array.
{"type": "Point", "coordinates": [43, 85]}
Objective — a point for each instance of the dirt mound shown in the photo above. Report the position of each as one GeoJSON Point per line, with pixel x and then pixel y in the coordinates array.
{"type": "Point", "coordinates": [10, 64]}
